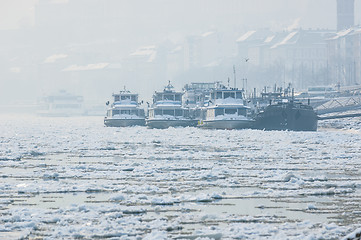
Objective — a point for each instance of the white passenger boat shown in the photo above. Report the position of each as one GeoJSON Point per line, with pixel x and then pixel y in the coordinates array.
{"type": "Point", "coordinates": [227, 110]}
{"type": "Point", "coordinates": [196, 97]}
{"type": "Point", "coordinates": [61, 104]}
{"type": "Point", "coordinates": [167, 110]}
{"type": "Point", "coordinates": [125, 111]}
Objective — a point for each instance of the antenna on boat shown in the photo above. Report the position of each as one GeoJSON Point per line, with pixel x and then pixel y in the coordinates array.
{"type": "Point", "coordinates": [234, 75]}
{"type": "Point", "coordinates": [169, 86]}
{"type": "Point", "coordinates": [228, 82]}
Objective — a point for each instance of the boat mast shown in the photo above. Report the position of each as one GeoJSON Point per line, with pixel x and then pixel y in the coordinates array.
{"type": "Point", "coordinates": [234, 75]}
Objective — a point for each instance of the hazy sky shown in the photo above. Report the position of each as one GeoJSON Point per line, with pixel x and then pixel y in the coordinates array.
{"type": "Point", "coordinates": [132, 23]}
{"type": "Point", "coordinates": [312, 13]}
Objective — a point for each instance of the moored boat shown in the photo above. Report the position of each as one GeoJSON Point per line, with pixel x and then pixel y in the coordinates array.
{"type": "Point", "coordinates": [196, 97]}
{"type": "Point", "coordinates": [227, 110]}
{"type": "Point", "coordinates": [167, 110]}
{"type": "Point", "coordinates": [61, 104]}
{"type": "Point", "coordinates": [287, 114]}
{"type": "Point", "coordinates": [125, 111]}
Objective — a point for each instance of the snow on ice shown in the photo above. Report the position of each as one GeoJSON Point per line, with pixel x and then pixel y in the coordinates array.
{"type": "Point", "coordinates": [75, 178]}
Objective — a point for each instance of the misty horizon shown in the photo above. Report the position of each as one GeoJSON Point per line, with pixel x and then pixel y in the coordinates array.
{"type": "Point", "coordinates": [91, 47]}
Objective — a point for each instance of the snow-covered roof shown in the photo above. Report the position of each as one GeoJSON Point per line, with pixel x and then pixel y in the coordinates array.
{"type": "Point", "coordinates": [53, 58]}
{"type": "Point", "coordinates": [286, 40]}
{"type": "Point", "coordinates": [342, 33]}
{"type": "Point", "coordinates": [269, 39]}
{"type": "Point", "coordinates": [206, 34]}
{"type": "Point", "coordinates": [93, 66]}
{"type": "Point", "coordinates": [246, 36]}
{"type": "Point", "coordinates": [346, 32]}
{"type": "Point", "coordinates": [146, 51]}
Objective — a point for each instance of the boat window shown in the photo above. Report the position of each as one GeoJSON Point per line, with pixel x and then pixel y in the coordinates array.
{"type": "Point", "coordinates": [219, 111]}
{"type": "Point", "coordinates": [168, 112]}
{"type": "Point", "coordinates": [230, 111]}
{"type": "Point", "coordinates": [115, 112]}
{"type": "Point", "coordinates": [169, 97]}
{"type": "Point", "coordinates": [238, 95]}
{"type": "Point", "coordinates": [228, 95]}
{"type": "Point", "coordinates": [158, 112]}
{"type": "Point", "coordinates": [158, 98]}
{"type": "Point", "coordinates": [133, 98]}
{"type": "Point", "coordinates": [242, 111]}
{"type": "Point", "coordinates": [133, 112]}
{"type": "Point", "coordinates": [116, 98]}
{"type": "Point", "coordinates": [178, 112]}
{"type": "Point", "coordinates": [186, 113]}
{"type": "Point", "coordinates": [125, 112]}
{"type": "Point", "coordinates": [141, 113]}
{"type": "Point", "coordinates": [178, 97]}
{"type": "Point", "coordinates": [125, 97]}
{"type": "Point", "coordinates": [219, 95]}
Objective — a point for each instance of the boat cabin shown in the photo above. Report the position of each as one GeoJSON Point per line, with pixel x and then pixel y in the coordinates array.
{"type": "Point", "coordinates": [198, 94]}
{"type": "Point", "coordinates": [226, 94]}
{"type": "Point", "coordinates": [168, 96]}
{"type": "Point", "coordinates": [125, 105]}
{"type": "Point", "coordinates": [130, 111]}
{"type": "Point", "coordinates": [224, 111]}
{"type": "Point", "coordinates": [179, 112]}
{"type": "Point", "coordinates": [125, 97]}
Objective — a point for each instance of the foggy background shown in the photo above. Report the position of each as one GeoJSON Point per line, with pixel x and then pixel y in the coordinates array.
{"type": "Point", "coordinates": [94, 48]}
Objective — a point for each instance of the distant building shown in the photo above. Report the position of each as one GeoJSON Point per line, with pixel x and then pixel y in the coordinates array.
{"type": "Point", "coordinates": [251, 43]}
{"type": "Point", "coordinates": [345, 14]}
{"type": "Point", "coordinates": [203, 50]}
{"type": "Point", "coordinates": [298, 57]}
{"type": "Point", "coordinates": [344, 62]}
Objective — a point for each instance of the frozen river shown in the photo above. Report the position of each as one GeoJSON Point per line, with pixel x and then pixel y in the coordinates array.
{"type": "Point", "coordinates": [67, 178]}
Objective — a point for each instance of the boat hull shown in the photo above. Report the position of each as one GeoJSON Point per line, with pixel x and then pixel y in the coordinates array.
{"type": "Point", "coordinates": [226, 124]}
{"type": "Point", "coordinates": [293, 119]}
{"type": "Point", "coordinates": [123, 122]}
{"type": "Point", "coordinates": [166, 123]}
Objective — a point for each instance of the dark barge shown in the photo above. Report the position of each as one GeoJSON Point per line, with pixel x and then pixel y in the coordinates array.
{"type": "Point", "coordinates": [287, 114]}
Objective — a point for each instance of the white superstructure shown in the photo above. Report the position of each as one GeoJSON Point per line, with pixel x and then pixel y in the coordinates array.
{"type": "Point", "coordinates": [227, 110]}
{"type": "Point", "coordinates": [61, 104]}
{"type": "Point", "coordinates": [125, 111]}
{"type": "Point", "coordinates": [167, 110]}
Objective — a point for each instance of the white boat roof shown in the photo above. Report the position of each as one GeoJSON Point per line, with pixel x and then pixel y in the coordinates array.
{"type": "Point", "coordinates": [229, 106]}
{"type": "Point", "coordinates": [124, 106]}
